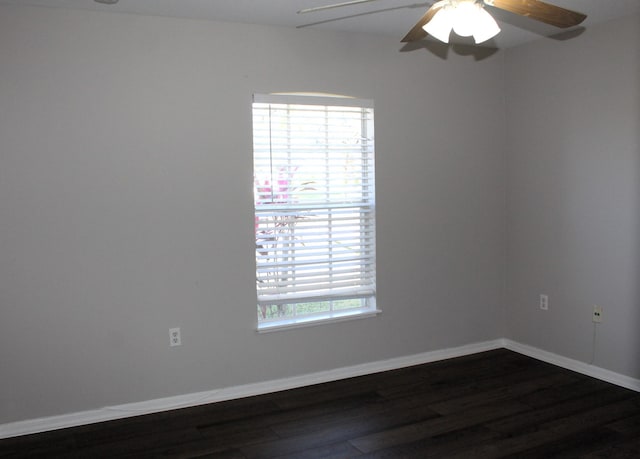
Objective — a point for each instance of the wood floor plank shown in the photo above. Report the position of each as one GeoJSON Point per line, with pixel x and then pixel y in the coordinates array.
{"type": "Point", "coordinates": [628, 449]}
{"type": "Point", "coordinates": [338, 430]}
{"type": "Point", "coordinates": [629, 426]}
{"type": "Point", "coordinates": [342, 450]}
{"type": "Point", "coordinates": [572, 445]}
{"type": "Point", "coordinates": [299, 414]}
{"type": "Point", "coordinates": [510, 392]}
{"type": "Point", "coordinates": [553, 431]}
{"type": "Point", "coordinates": [383, 413]}
{"type": "Point", "coordinates": [420, 430]}
{"type": "Point", "coordinates": [445, 387]}
{"type": "Point", "coordinates": [232, 454]}
{"type": "Point", "coordinates": [536, 417]}
{"type": "Point", "coordinates": [138, 444]}
{"type": "Point", "coordinates": [438, 445]}
{"type": "Point", "coordinates": [577, 387]}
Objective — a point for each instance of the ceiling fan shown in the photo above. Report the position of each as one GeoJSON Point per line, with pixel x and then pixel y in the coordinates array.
{"type": "Point", "coordinates": [468, 17]}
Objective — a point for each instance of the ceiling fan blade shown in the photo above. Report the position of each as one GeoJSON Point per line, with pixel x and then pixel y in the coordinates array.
{"type": "Point", "coordinates": [417, 32]}
{"type": "Point", "coordinates": [540, 11]}
{"type": "Point", "coordinates": [335, 5]}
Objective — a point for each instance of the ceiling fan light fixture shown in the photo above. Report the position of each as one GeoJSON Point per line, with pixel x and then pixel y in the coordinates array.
{"type": "Point", "coordinates": [486, 27]}
{"type": "Point", "coordinates": [441, 24]}
{"type": "Point", "coordinates": [465, 17]}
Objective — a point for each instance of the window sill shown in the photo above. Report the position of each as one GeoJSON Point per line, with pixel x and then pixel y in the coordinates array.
{"type": "Point", "coordinates": [288, 324]}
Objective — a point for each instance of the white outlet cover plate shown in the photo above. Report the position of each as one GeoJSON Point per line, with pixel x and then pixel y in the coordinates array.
{"type": "Point", "coordinates": [597, 314]}
{"type": "Point", "coordinates": [174, 337]}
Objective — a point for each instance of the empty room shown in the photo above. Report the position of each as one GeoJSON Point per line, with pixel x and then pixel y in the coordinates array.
{"type": "Point", "coordinates": [243, 229]}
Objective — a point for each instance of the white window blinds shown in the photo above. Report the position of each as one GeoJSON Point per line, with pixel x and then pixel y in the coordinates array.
{"type": "Point", "coordinates": [314, 202]}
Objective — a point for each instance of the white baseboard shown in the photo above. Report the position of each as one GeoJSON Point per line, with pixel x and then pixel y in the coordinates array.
{"type": "Point", "coordinates": [574, 365]}
{"type": "Point", "coordinates": [31, 426]}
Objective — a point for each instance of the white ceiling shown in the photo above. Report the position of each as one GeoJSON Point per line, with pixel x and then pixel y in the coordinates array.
{"type": "Point", "coordinates": [389, 17]}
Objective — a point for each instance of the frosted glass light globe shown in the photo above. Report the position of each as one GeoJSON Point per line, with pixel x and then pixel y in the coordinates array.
{"type": "Point", "coordinates": [466, 17]}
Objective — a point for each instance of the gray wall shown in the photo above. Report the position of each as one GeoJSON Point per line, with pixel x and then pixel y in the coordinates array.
{"type": "Point", "coordinates": [126, 204]}
{"type": "Point", "coordinates": [573, 149]}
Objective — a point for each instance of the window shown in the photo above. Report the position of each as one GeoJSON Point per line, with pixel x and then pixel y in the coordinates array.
{"type": "Point", "coordinates": [314, 201]}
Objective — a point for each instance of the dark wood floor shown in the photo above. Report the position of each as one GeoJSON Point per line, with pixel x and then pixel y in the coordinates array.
{"type": "Point", "coordinates": [492, 404]}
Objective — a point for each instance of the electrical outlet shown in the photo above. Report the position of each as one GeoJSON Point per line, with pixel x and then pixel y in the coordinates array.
{"type": "Point", "coordinates": [544, 302]}
{"type": "Point", "coordinates": [597, 314]}
{"type": "Point", "coordinates": [174, 337]}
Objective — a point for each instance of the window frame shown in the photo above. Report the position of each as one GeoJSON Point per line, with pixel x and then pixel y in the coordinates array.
{"type": "Point", "coordinates": [327, 103]}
